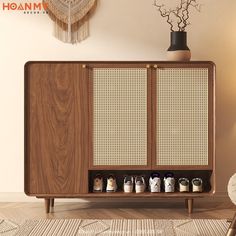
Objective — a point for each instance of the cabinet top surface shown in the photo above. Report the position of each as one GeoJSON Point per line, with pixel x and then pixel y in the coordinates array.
{"type": "Point", "coordinates": [128, 62]}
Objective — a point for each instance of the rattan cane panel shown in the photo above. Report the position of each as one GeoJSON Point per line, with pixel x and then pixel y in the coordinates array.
{"type": "Point", "coordinates": [120, 116]}
{"type": "Point", "coordinates": [182, 116]}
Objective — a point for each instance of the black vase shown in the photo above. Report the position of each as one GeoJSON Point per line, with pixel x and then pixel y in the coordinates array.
{"type": "Point", "coordinates": [178, 50]}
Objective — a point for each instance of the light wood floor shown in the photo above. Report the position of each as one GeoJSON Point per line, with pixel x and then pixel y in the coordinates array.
{"type": "Point", "coordinates": [120, 210]}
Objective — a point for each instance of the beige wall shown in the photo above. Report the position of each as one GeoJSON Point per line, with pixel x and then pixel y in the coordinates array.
{"type": "Point", "coordinates": [120, 30]}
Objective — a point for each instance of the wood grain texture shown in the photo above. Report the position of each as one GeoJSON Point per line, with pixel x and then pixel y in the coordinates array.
{"type": "Point", "coordinates": [81, 129]}
{"type": "Point", "coordinates": [120, 209]}
{"type": "Point", "coordinates": [56, 129]}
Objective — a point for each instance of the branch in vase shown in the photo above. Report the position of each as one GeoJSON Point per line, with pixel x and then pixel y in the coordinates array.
{"type": "Point", "coordinates": [165, 14]}
{"type": "Point", "coordinates": [181, 13]}
{"type": "Point", "coordinates": [178, 15]}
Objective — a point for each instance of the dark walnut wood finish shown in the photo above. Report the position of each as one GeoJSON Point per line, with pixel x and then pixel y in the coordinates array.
{"type": "Point", "coordinates": [58, 130]}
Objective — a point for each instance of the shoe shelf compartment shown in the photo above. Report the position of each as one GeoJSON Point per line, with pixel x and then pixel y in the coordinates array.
{"type": "Point", "coordinates": [205, 175]}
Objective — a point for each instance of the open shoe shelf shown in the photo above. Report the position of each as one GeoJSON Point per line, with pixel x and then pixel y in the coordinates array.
{"type": "Point", "coordinates": [205, 175]}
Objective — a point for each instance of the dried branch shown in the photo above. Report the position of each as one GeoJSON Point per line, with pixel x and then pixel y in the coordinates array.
{"type": "Point", "coordinates": [195, 5]}
{"type": "Point", "coordinates": [186, 12]}
{"type": "Point", "coordinates": [165, 14]}
{"type": "Point", "coordinates": [180, 13]}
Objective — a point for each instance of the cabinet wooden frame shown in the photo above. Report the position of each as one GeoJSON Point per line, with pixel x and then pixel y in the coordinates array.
{"type": "Point", "coordinates": [83, 166]}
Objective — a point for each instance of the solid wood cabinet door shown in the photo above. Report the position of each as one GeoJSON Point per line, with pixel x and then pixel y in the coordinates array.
{"type": "Point", "coordinates": [56, 131]}
{"type": "Point", "coordinates": [184, 118]}
{"type": "Point", "coordinates": [120, 105]}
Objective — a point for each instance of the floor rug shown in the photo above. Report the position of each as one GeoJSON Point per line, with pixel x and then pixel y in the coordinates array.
{"type": "Point", "coordinates": [118, 227]}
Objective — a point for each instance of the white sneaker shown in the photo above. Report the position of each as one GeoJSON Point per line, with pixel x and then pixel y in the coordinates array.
{"type": "Point", "coordinates": [140, 184]}
{"type": "Point", "coordinates": [98, 183]}
{"type": "Point", "coordinates": [169, 182]}
{"type": "Point", "coordinates": [155, 183]}
{"type": "Point", "coordinates": [111, 184]}
{"type": "Point", "coordinates": [128, 184]}
{"type": "Point", "coordinates": [197, 185]}
{"type": "Point", "coordinates": [183, 185]}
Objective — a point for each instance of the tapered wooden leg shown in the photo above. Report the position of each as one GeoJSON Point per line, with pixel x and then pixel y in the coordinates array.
{"type": "Point", "coordinates": [47, 205]}
{"type": "Point", "coordinates": [186, 203]}
{"type": "Point", "coordinates": [52, 202]}
{"type": "Point", "coordinates": [232, 228]}
{"type": "Point", "coordinates": [190, 205]}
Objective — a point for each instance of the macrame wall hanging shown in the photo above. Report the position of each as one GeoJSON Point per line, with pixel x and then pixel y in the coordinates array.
{"type": "Point", "coordinates": [70, 18]}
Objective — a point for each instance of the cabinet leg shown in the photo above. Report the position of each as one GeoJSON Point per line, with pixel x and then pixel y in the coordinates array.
{"type": "Point", "coordinates": [190, 205]}
{"type": "Point", "coordinates": [186, 203]}
{"type": "Point", "coordinates": [52, 202]}
{"type": "Point", "coordinates": [232, 228]}
{"type": "Point", "coordinates": [47, 205]}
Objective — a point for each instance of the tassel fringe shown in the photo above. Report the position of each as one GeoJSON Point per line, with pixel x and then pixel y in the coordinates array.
{"type": "Point", "coordinates": [74, 37]}
{"type": "Point", "coordinates": [71, 18]}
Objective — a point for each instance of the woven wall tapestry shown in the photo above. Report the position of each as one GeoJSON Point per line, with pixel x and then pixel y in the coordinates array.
{"type": "Point", "coordinates": [70, 18]}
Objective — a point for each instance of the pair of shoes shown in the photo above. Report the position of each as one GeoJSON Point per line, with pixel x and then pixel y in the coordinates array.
{"type": "Point", "coordinates": [155, 183]}
{"type": "Point", "coordinates": [98, 183]}
{"type": "Point", "coordinates": [196, 185]}
{"type": "Point", "coordinates": [138, 181]}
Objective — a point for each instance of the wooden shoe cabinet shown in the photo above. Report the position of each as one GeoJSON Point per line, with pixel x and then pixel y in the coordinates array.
{"type": "Point", "coordinates": [83, 118]}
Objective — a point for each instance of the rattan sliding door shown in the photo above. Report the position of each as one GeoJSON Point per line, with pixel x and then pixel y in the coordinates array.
{"type": "Point", "coordinates": [184, 117]}
{"type": "Point", "coordinates": [119, 109]}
